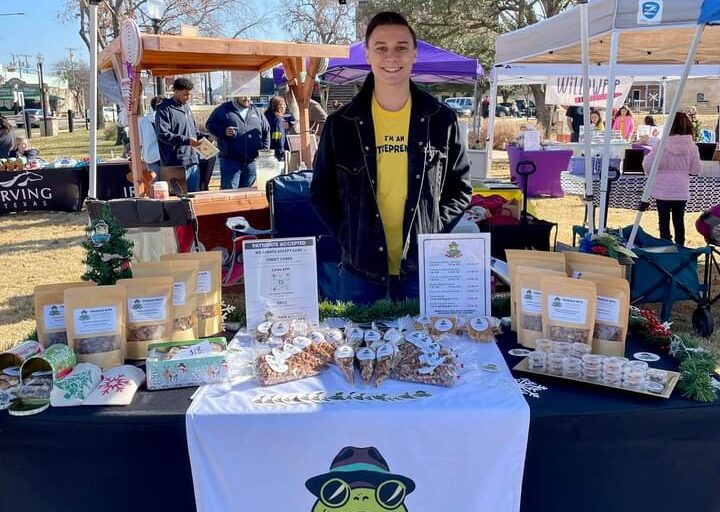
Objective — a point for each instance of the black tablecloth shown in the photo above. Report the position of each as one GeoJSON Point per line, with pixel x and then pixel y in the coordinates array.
{"type": "Point", "coordinates": [590, 449]}
{"type": "Point", "coordinates": [61, 190]}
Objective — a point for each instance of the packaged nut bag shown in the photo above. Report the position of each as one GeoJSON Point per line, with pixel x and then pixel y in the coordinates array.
{"type": "Point", "coordinates": [433, 365]}
{"type": "Point", "coordinates": [345, 360]}
{"type": "Point", "coordinates": [581, 262]}
{"type": "Point", "coordinates": [611, 316]}
{"type": "Point", "coordinates": [385, 360]}
{"type": "Point", "coordinates": [95, 324]}
{"type": "Point", "coordinates": [482, 328]}
{"type": "Point", "coordinates": [366, 361]}
{"type": "Point", "coordinates": [50, 311]}
{"type": "Point", "coordinates": [526, 284]}
{"type": "Point", "coordinates": [442, 325]}
{"type": "Point", "coordinates": [149, 312]}
{"type": "Point", "coordinates": [539, 259]}
{"type": "Point", "coordinates": [291, 362]}
{"type": "Point", "coordinates": [209, 289]}
{"type": "Point", "coordinates": [184, 274]}
{"type": "Point", "coordinates": [568, 309]}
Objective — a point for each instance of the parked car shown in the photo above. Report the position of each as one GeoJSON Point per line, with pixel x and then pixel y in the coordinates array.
{"type": "Point", "coordinates": [36, 117]}
{"type": "Point", "coordinates": [462, 105]}
{"type": "Point", "coordinates": [524, 110]}
{"type": "Point", "coordinates": [510, 109]}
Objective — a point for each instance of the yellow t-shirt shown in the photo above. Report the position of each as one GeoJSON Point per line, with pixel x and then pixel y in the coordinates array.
{"type": "Point", "coordinates": [391, 143]}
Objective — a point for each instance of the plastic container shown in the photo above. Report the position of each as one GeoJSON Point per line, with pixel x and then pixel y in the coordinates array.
{"type": "Point", "coordinates": [613, 365]}
{"type": "Point", "coordinates": [544, 345]}
{"type": "Point", "coordinates": [266, 168]}
{"type": "Point", "coordinates": [659, 376]}
{"type": "Point", "coordinates": [562, 347]}
{"type": "Point", "coordinates": [580, 349]}
{"type": "Point", "coordinates": [161, 191]}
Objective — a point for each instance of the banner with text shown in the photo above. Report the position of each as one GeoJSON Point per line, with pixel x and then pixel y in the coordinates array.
{"type": "Point", "coordinates": [568, 90]}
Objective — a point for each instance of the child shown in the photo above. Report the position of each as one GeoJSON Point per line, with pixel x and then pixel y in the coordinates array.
{"type": "Point", "coordinates": [22, 147]}
{"type": "Point", "coordinates": [671, 189]}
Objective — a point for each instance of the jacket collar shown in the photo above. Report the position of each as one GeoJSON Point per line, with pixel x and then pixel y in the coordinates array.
{"type": "Point", "coordinates": [360, 107]}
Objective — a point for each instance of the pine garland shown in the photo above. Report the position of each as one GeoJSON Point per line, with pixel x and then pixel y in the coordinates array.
{"type": "Point", "coordinates": [696, 363]}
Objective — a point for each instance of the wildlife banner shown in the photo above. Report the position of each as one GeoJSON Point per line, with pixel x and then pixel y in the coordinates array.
{"type": "Point", "coordinates": [568, 90]}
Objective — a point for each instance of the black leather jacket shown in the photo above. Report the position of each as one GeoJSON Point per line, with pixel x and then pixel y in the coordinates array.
{"type": "Point", "coordinates": [345, 175]}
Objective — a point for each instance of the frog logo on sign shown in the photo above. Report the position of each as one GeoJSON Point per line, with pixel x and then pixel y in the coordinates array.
{"type": "Point", "coordinates": [650, 12]}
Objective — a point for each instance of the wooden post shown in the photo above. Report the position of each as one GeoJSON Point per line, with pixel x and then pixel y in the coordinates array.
{"type": "Point", "coordinates": [136, 165]}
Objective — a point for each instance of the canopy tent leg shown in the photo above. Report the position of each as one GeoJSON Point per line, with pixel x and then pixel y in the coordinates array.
{"type": "Point", "coordinates": [660, 149]}
{"type": "Point", "coordinates": [587, 138]}
{"type": "Point", "coordinates": [476, 111]}
{"type": "Point", "coordinates": [92, 149]}
{"type": "Point", "coordinates": [608, 132]}
{"type": "Point", "coordinates": [490, 135]}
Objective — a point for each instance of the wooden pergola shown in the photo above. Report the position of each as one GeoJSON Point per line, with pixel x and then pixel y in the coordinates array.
{"type": "Point", "coordinates": [164, 55]}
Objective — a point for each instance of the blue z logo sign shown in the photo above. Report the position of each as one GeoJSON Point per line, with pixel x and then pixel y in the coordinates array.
{"type": "Point", "coordinates": [650, 12]}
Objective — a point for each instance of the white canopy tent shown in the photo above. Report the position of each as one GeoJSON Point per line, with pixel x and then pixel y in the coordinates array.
{"type": "Point", "coordinates": [616, 33]}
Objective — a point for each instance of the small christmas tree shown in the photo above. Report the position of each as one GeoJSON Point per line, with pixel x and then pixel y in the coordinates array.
{"type": "Point", "coordinates": [108, 251]}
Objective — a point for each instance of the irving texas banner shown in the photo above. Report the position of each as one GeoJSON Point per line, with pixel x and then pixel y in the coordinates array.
{"type": "Point", "coordinates": [568, 90]}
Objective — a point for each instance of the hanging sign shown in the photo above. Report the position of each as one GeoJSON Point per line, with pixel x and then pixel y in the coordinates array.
{"type": "Point", "coordinates": [568, 90]}
{"type": "Point", "coordinates": [454, 274]}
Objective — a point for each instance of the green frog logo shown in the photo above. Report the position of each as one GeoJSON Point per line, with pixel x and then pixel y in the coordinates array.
{"type": "Point", "coordinates": [359, 480]}
{"type": "Point", "coordinates": [137, 304]}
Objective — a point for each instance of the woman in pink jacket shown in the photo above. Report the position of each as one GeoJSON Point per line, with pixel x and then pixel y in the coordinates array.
{"type": "Point", "coordinates": [671, 189]}
{"type": "Point", "coordinates": [623, 122]}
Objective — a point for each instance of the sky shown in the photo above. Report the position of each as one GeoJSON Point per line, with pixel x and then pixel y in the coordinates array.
{"type": "Point", "coordinates": [40, 31]}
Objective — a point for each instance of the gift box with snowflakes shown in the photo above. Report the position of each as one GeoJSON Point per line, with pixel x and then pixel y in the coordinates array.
{"type": "Point", "coordinates": [178, 364]}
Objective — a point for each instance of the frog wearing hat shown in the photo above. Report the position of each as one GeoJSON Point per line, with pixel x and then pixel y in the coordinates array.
{"type": "Point", "coordinates": [359, 480]}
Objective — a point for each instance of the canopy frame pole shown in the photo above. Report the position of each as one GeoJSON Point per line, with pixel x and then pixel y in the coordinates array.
{"type": "Point", "coordinates": [604, 175]}
{"type": "Point", "coordinates": [490, 135]}
{"type": "Point", "coordinates": [660, 149]}
{"type": "Point", "coordinates": [92, 149]}
{"type": "Point", "coordinates": [587, 138]}
{"type": "Point", "coordinates": [476, 111]}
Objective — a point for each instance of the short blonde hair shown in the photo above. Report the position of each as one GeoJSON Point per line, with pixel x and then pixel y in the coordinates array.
{"type": "Point", "coordinates": [20, 140]}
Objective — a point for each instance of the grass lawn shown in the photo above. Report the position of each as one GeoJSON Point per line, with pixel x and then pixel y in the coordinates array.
{"type": "Point", "coordinates": [73, 145]}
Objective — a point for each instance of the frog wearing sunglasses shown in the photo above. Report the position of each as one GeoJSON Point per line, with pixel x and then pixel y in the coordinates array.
{"type": "Point", "coordinates": [359, 480]}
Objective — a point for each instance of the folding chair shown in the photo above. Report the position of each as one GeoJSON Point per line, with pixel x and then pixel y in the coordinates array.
{"type": "Point", "coordinates": [292, 215]}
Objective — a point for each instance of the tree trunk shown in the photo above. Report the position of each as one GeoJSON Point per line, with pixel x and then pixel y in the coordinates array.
{"type": "Point", "coordinates": [543, 111]}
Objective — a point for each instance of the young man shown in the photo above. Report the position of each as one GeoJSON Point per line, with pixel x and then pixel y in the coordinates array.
{"type": "Point", "coordinates": [177, 133]}
{"type": "Point", "coordinates": [242, 131]}
{"type": "Point", "coordinates": [391, 164]}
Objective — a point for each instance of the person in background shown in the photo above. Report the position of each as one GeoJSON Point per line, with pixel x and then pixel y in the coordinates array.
{"type": "Point", "coordinates": [596, 121]}
{"type": "Point", "coordinates": [649, 121]}
{"type": "Point", "coordinates": [391, 165]}
{"type": "Point", "coordinates": [242, 131]}
{"type": "Point", "coordinates": [22, 147]}
{"type": "Point", "coordinates": [318, 116]}
{"type": "Point", "coordinates": [6, 137]}
{"type": "Point", "coordinates": [485, 106]}
{"type": "Point", "coordinates": [671, 189]}
{"type": "Point", "coordinates": [275, 114]}
{"type": "Point", "coordinates": [177, 133]}
{"type": "Point", "coordinates": [624, 123]}
{"type": "Point", "coordinates": [575, 119]}
{"type": "Point", "coordinates": [148, 139]}
{"type": "Point", "coordinates": [697, 126]}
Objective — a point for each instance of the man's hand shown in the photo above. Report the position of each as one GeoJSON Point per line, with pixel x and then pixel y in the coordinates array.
{"type": "Point", "coordinates": [230, 131]}
{"type": "Point", "coordinates": [194, 143]}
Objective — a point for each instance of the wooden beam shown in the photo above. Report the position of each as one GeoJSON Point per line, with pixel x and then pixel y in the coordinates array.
{"type": "Point", "coordinates": [302, 97]}
{"type": "Point", "coordinates": [228, 201]}
{"type": "Point", "coordinates": [139, 181]}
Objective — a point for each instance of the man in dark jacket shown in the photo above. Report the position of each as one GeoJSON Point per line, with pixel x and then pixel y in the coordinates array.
{"type": "Point", "coordinates": [242, 131]}
{"type": "Point", "coordinates": [390, 165]}
{"type": "Point", "coordinates": [177, 133]}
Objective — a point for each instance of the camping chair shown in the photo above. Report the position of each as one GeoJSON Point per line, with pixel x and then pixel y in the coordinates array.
{"type": "Point", "coordinates": [664, 272]}
{"type": "Point", "coordinates": [292, 215]}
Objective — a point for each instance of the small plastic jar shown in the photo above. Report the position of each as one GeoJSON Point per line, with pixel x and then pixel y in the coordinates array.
{"type": "Point", "coordinates": [562, 347]}
{"type": "Point", "coordinates": [640, 386]}
{"type": "Point", "coordinates": [634, 377]}
{"type": "Point", "coordinates": [161, 190]}
{"type": "Point", "coordinates": [613, 374]}
{"type": "Point", "coordinates": [592, 360]}
{"type": "Point", "coordinates": [613, 364]}
{"type": "Point", "coordinates": [654, 387]}
{"type": "Point", "coordinates": [656, 375]}
{"type": "Point", "coordinates": [544, 345]}
{"type": "Point", "coordinates": [580, 349]}
{"type": "Point", "coordinates": [611, 380]}
{"type": "Point", "coordinates": [592, 375]}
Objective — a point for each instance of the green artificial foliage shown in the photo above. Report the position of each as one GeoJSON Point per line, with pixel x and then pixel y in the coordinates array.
{"type": "Point", "coordinates": [109, 260]}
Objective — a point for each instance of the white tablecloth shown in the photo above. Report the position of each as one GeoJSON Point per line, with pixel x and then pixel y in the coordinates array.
{"type": "Point", "coordinates": [462, 448]}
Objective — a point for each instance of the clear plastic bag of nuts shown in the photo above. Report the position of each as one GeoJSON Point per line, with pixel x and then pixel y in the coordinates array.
{"type": "Point", "coordinates": [292, 361]}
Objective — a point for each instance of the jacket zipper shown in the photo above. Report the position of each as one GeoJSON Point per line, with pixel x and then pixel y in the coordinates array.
{"type": "Point", "coordinates": [406, 246]}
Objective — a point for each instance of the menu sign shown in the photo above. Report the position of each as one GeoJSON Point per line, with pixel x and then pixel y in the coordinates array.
{"type": "Point", "coordinates": [280, 280]}
{"type": "Point", "coordinates": [455, 274]}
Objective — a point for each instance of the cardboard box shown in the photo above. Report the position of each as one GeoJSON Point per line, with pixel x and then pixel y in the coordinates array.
{"type": "Point", "coordinates": [181, 372]}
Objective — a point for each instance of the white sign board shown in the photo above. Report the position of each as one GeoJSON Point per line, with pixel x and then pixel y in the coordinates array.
{"type": "Point", "coordinates": [280, 280]}
{"type": "Point", "coordinates": [568, 90]}
{"type": "Point", "coordinates": [455, 274]}
{"type": "Point", "coordinates": [244, 83]}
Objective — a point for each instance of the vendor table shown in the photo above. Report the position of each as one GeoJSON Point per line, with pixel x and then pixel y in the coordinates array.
{"type": "Point", "coordinates": [627, 191]}
{"type": "Point", "coordinates": [589, 449]}
{"type": "Point", "coordinates": [43, 189]}
{"type": "Point", "coordinates": [546, 180]}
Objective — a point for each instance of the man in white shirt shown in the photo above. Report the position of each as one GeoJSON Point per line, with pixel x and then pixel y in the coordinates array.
{"type": "Point", "coordinates": [148, 139]}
